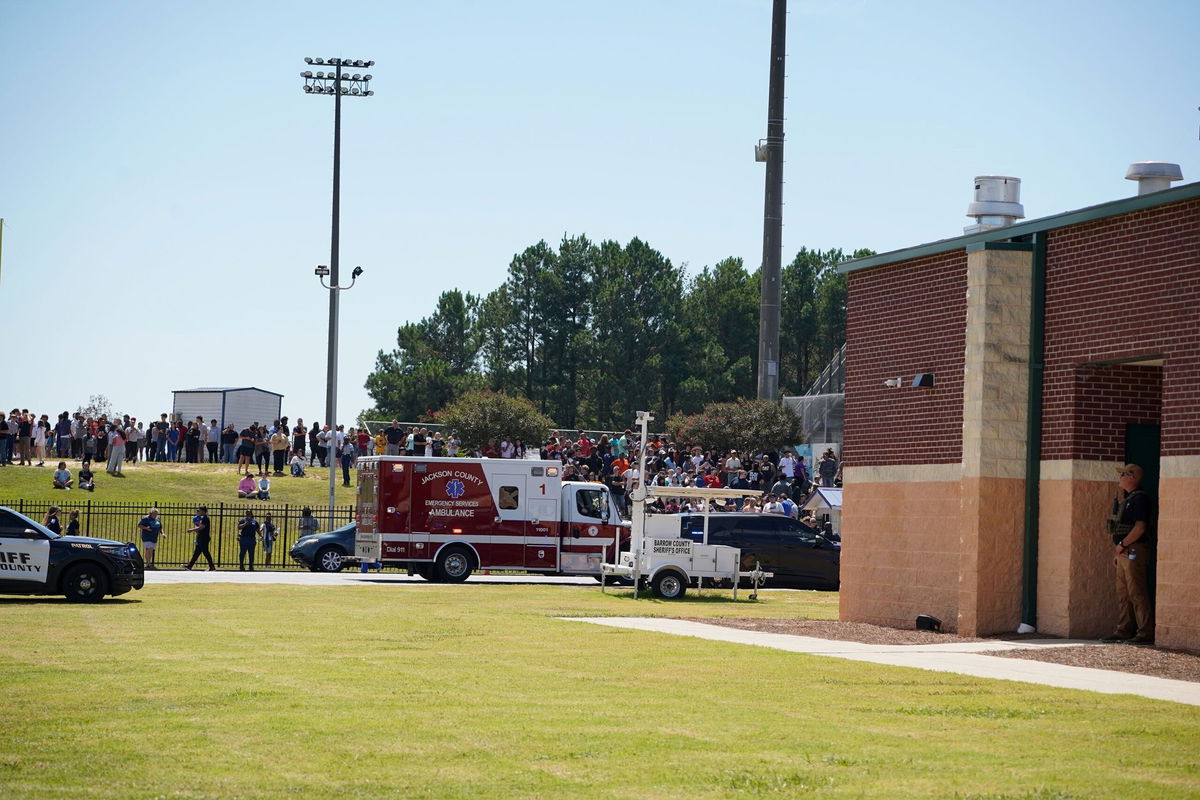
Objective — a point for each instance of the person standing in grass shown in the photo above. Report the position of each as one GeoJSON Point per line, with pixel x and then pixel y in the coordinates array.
{"type": "Point", "coordinates": [269, 533]}
{"type": "Point", "coordinates": [229, 439]}
{"type": "Point", "coordinates": [151, 528]}
{"type": "Point", "coordinates": [212, 442]}
{"type": "Point", "coordinates": [73, 523]}
{"type": "Point", "coordinates": [299, 432]}
{"type": "Point", "coordinates": [349, 454]}
{"type": "Point", "coordinates": [116, 452]}
{"type": "Point", "coordinates": [202, 527]}
{"type": "Point", "coordinates": [245, 450]}
{"type": "Point", "coordinates": [308, 523]}
{"type": "Point", "coordinates": [191, 443]}
{"type": "Point", "coordinates": [133, 438]}
{"type": "Point", "coordinates": [314, 436]}
{"type": "Point", "coordinates": [262, 448]}
{"type": "Point", "coordinates": [248, 528]}
{"type": "Point", "coordinates": [279, 448]}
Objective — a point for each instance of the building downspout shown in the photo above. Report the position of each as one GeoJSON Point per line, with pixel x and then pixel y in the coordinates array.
{"type": "Point", "coordinates": [1033, 435]}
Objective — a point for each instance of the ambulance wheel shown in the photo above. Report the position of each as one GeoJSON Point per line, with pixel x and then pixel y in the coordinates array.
{"type": "Point", "coordinates": [453, 565]}
{"type": "Point", "coordinates": [669, 585]}
{"type": "Point", "coordinates": [85, 583]}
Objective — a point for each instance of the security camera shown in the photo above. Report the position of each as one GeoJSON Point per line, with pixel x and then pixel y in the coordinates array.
{"type": "Point", "coordinates": [357, 271]}
{"type": "Point", "coordinates": [892, 383]}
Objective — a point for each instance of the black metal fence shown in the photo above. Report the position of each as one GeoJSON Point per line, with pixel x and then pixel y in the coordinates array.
{"type": "Point", "coordinates": [119, 521]}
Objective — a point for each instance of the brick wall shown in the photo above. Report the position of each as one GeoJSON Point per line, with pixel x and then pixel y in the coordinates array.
{"type": "Point", "coordinates": [902, 320]}
{"type": "Point", "coordinates": [1100, 401]}
{"type": "Point", "coordinates": [1122, 288]}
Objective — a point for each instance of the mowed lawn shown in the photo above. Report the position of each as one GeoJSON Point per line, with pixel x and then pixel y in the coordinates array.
{"type": "Point", "coordinates": [418, 690]}
{"type": "Point", "coordinates": [169, 482]}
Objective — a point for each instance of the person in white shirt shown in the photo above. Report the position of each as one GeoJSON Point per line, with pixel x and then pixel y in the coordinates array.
{"type": "Point", "coordinates": [787, 466]}
{"type": "Point", "coordinates": [506, 448]}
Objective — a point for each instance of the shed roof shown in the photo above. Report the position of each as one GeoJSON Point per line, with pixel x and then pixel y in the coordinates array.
{"type": "Point", "coordinates": [824, 499]}
{"type": "Point", "coordinates": [227, 389]}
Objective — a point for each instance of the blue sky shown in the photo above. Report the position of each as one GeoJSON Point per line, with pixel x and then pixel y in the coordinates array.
{"type": "Point", "coordinates": [165, 182]}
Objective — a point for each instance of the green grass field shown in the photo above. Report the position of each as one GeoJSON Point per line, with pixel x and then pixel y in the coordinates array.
{"type": "Point", "coordinates": [220, 691]}
{"type": "Point", "coordinates": [168, 483]}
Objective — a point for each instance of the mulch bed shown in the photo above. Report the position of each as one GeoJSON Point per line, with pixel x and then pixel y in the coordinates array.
{"type": "Point", "coordinates": [1157, 662]}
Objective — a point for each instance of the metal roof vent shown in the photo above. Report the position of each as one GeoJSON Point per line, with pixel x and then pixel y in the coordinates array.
{"type": "Point", "coordinates": [1153, 176]}
{"type": "Point", "coordinates": [997, 203]}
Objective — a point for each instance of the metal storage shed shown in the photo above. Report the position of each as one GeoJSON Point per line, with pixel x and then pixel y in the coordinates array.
{"type": "Point", "coordinates": [827, 502]}
{"type": "Point", "coordinates": [239, 405]}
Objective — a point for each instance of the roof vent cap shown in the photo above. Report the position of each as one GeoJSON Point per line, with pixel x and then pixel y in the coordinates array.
{"type": "Point", "coordinates": [997, 203]}
{"type": "Point", "coordinates": [1153, 176]}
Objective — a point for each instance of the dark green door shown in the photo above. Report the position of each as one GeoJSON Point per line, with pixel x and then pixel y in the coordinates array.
{"type": "Point", "coordinates": [1141, 448]}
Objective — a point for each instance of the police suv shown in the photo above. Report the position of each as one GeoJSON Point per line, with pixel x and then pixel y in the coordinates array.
{"type": "Point", "coordinates": [34, 560]}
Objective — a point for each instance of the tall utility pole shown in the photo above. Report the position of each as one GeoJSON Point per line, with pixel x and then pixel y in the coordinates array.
{"type": "Point", "coordinates": [772, 151]}
{"type": "Point", "coordinates": [338, 84]}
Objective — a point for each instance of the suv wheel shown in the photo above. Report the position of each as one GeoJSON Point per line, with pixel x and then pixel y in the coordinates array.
{"type": "Point", "coordinates": [85, 583]}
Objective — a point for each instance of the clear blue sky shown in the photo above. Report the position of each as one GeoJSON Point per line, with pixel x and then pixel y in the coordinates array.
{"type": "Point", "coordinates": [166, 182]}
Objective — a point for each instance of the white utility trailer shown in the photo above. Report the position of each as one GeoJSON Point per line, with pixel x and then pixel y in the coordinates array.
{"type": "Point", "coordinates": [661, 555]}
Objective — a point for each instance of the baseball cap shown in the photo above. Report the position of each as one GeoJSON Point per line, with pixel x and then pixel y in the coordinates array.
{"type": "Point", "coordinates": [1134, 469]}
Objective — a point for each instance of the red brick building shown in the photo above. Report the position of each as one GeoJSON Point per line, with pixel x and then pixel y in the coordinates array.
{"type": "Point", "coordinates": [1059, 348]}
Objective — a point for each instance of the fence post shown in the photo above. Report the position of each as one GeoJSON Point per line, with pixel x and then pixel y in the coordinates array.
{"type": "Point", "coordinates": [88, 517]}
{"type": "Point", "coordinates": [221, 537]}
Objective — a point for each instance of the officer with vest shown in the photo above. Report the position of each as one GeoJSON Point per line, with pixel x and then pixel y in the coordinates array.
{"type": "Point", "coordinates": [1132, 529]}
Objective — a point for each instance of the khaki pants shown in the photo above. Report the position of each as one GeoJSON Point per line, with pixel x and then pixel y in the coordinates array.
{"type": "Point", "coordinates": [1135, 613]}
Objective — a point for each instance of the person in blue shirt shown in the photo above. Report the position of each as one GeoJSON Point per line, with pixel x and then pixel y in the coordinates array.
{"type": "Point", "coordinates": [248, 528]}
{"type": "Point", "coordinates": [151, 528]}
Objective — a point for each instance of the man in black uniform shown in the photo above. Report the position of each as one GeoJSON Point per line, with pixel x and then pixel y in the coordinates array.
{"type": "Point", "coordinates": [1133, 536]}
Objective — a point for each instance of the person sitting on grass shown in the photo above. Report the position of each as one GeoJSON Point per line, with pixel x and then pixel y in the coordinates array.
{"type": "Point", "coordinates": [86, 481]}
{"type": "Point", "coordinates": [297, 465]}
{"type": "Point", "coordinates": [247, 487]}
{"type": "Point", "coordinates": [62, 476]}
{"type": "Point", "coordinates": [264, 488]}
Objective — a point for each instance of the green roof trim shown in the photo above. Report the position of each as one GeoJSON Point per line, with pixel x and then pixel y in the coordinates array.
{"type": "Point", "coordinates": [976, 241]}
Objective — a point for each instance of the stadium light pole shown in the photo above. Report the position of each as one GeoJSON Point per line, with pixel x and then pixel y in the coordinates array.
{"type": "Point", "coordinates": [339, 84]}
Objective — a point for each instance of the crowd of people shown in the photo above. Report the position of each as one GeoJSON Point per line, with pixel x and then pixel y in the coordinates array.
{"type": "Point", "coordinates": [780, 477]}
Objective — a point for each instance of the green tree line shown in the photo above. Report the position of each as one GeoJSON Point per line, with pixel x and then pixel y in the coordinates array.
{"type": "Point", "coordinates": [589, 333]}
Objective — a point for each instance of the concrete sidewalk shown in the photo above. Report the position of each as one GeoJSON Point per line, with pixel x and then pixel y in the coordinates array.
{"type": "Point", "coordinates": [963, 658]}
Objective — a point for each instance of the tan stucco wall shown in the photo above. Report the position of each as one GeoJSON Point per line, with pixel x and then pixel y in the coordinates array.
{"type": "Point", "coordinates": [1178, 602]}
{"type": "Point", "coordinates": [992, 544]}
{"type": "Point", "coordinates": [1075, 595]}
{"type": "Point", "coordinates": [900, 544]}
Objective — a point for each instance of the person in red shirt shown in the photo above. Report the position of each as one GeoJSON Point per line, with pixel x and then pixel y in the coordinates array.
{"type": "Point", "coordinates": [585, 445]}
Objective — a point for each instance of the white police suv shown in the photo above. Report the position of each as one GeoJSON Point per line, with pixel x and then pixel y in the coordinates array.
{"type": "Point", "coordinates": [34, 560]}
